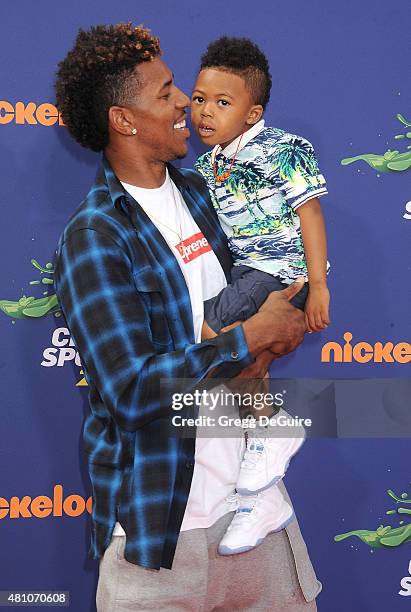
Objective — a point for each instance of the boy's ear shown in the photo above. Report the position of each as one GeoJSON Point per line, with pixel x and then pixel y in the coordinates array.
{"type": "Point", "coordinates": [255, 114]}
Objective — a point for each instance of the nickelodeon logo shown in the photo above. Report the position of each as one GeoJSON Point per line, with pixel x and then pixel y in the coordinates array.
{"type": "Point", "coordinates": [364, 352]}
{"type": "Point", "coordinates": [43, 506]}
{"type": "Point", "coordinates": [29, 113]}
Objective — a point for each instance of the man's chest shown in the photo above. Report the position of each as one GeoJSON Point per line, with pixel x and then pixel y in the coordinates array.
{"type": "Point", "coordinates": [172, 274]}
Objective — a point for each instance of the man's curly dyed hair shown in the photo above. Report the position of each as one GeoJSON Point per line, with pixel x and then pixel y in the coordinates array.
{"type": "Point", "coordinates": [242, 57]}
{"type": "Point", "coordinates": [99, 73]}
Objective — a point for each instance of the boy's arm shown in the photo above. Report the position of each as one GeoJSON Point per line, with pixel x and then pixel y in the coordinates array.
{"type": "Point", "coordinates": [315, 247]}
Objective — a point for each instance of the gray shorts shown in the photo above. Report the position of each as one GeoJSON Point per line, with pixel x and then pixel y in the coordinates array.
{"type": "Point", "coordinates": [241, 299]}
{"type": "Point", "coordinates": [260, 580]}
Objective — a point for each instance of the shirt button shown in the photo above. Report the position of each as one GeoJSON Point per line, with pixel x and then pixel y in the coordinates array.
{"type": "Point", "coordinates": [234, 355]}
{"type": "Point", "coordinates": [189, 465]}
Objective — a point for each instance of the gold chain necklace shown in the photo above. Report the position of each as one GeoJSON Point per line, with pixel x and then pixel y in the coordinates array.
{"type": "Point", "coordinates": [179, 233]}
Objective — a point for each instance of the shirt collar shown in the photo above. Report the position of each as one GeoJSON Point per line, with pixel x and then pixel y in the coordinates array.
{"type": "Point", "coordinates": [117, 192]}
{"type": "Point", "coordinates": [114, 186]}
{"type": "Point", "coordinates": [231, 149]}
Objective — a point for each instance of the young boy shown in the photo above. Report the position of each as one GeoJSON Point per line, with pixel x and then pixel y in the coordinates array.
{"type": "Point", "coordinates": [264, 184]}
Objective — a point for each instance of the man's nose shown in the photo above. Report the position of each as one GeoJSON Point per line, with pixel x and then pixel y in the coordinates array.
{"type": "Point", "coordinates": [182, 101]}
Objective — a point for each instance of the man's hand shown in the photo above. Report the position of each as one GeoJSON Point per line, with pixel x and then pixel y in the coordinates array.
{"type": "Point", "coordinates": [278, 325]}
{"type": "Point", "coordinates": [260, 367]}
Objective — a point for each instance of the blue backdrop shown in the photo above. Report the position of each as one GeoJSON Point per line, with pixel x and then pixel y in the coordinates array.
{"type": "Point", "coordinates": [340, 77]}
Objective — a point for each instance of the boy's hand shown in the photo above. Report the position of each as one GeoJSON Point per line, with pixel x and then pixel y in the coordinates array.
{"type": "Point", "coordinates": [317, 308]}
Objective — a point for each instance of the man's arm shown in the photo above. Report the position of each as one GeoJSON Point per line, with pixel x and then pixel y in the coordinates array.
{"type": "Point", "coordinates": [110, 324]}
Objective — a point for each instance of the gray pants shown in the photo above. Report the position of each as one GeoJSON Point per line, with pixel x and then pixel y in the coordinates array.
{"type": "Point", "coordinates": [261, 580]}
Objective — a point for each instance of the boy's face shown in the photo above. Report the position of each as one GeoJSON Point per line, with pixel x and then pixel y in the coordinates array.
{"type": "Point", "coordinates": [222, 107]}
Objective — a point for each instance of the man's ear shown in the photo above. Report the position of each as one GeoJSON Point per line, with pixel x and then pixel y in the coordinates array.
{"type": "Point", "coordinates": [121, 120]}
{"type": "Point", "coordinates": [255, 114]}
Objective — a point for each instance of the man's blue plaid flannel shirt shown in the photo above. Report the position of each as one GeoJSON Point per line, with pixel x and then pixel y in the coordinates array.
{"type": "Point", "coordinates": [127, 306]}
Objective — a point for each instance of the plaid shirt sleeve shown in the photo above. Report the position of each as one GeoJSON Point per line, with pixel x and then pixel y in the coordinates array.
{"type": "Point", "coordinates": [112, 327]}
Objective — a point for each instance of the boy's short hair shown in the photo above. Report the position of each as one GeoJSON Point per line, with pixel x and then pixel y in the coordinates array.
{"type": "Point", "coordinates": [97, 74]}
{"type": "Point", "coordinates": [242, 57]}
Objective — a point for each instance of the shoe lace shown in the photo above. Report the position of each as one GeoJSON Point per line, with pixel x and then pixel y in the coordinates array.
{"type": "Point", "coordinates": [243, 512]}
{"type": "Point", "coordinates": [253, 453]}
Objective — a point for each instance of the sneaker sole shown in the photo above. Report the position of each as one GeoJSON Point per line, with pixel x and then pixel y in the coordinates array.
{"type": "Point", "coordinates": [226, 551]}
{"type": "Point", "coordinates": [275, 479]}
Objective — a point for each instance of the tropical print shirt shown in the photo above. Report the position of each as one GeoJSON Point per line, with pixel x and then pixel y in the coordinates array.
{"type": "Point", "coordinates": [273, 174]}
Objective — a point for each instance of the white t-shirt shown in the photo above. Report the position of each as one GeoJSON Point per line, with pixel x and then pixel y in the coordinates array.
{"type": "Point", "coordinates": [217, 460]}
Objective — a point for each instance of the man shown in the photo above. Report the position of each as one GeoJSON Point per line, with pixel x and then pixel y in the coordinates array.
{"type": "Point", "coordinates": [126, 286]}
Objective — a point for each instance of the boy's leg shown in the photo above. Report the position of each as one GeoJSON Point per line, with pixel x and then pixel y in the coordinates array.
{"type": "Point", "coordinates": [242, 298]}
{"type": "Point", "coordinates": [239, 301]}
{"type": "Point", "coordinates": [269, 451]}
{"type": "Point", "coordinates": [273, 437]}
{"type": "Point", "coordinates": [299, 300]}
{"type": "Point", "coordinates": [262, 508]}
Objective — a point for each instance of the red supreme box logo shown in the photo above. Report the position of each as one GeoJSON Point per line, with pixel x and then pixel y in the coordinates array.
{"type": "Point", "coordinates": [193, 247]}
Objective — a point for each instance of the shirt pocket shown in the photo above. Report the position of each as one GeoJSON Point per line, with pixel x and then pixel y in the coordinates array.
{"type": "Point", "coordinates": [153, 297]}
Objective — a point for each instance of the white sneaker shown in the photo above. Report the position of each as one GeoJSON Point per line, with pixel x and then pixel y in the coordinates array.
{"type": "Point", "coordinates": [255, 518]}
{"type": "Point", "coordinates": [265, 462]}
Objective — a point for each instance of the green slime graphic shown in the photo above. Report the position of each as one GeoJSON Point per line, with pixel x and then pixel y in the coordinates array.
{"type": "Point", "coordinates": [388, 161]}
{"type": "Point", "coordinates": [391, 160]}
{"type": "Point", "coordinates": [32, 307]}
{"type": "Point", "coordinates": [384, 536]}
{"type": "Point", "coordinates": [403, 499]}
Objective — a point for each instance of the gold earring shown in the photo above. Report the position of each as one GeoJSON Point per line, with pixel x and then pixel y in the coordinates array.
{"type": "Point", "coordinates": [134, 131]}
